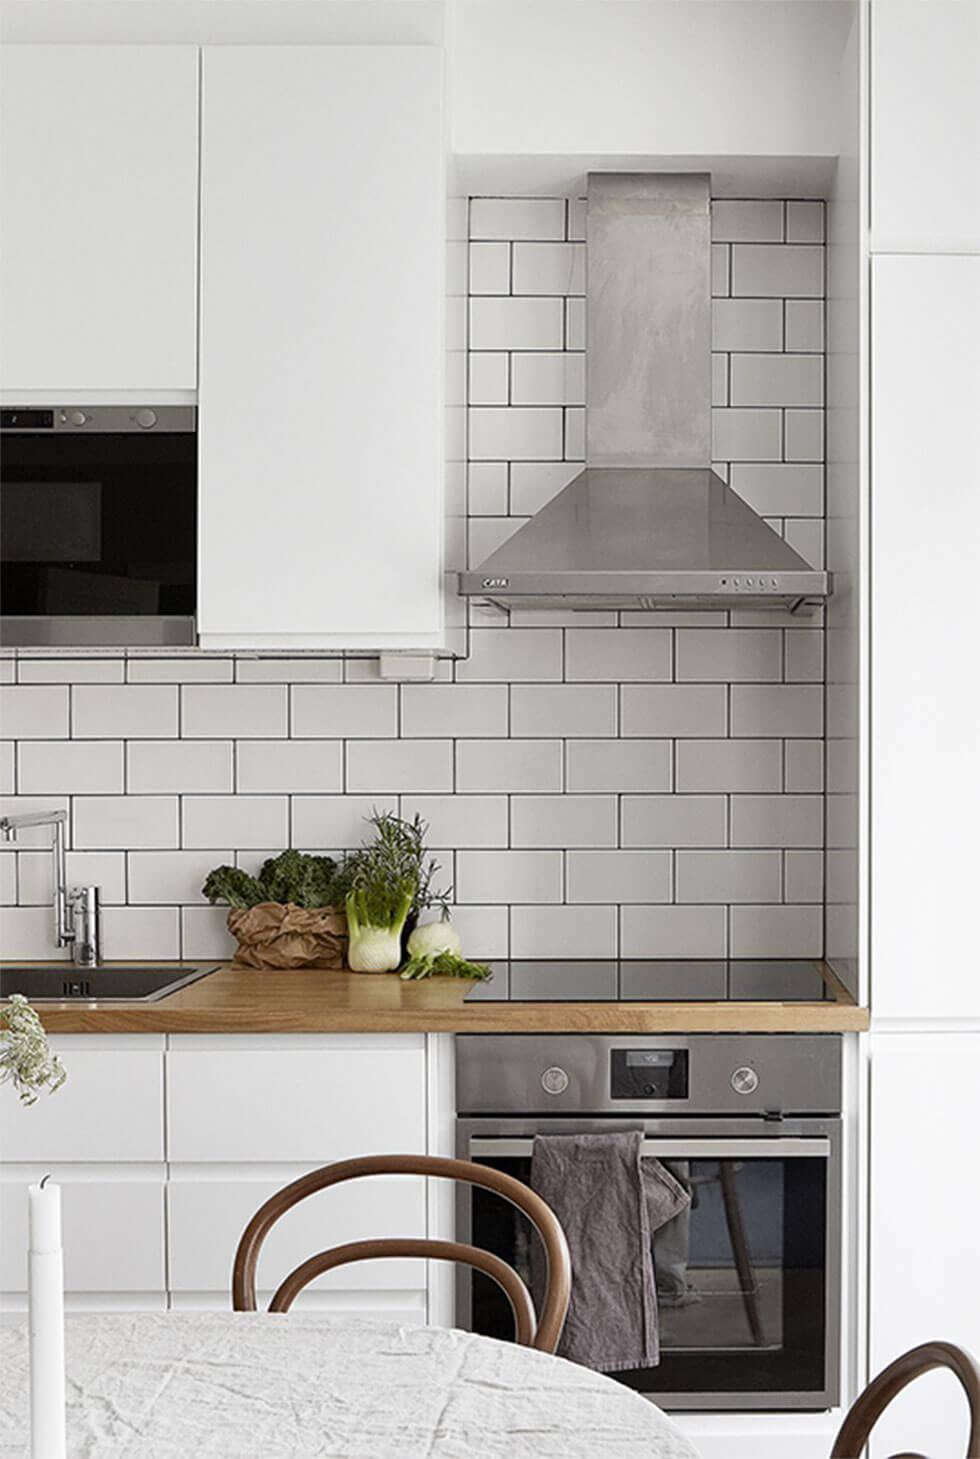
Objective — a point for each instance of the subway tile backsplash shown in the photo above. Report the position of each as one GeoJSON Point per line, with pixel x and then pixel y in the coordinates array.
{"type": "Point", "coordinates": [641, 784]}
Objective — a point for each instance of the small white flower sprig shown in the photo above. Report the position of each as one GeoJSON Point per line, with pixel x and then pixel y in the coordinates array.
{"type": "Point", "coordinates": [26, 1060]}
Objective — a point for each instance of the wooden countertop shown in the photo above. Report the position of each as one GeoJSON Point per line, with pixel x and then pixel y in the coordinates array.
{"type": "Point", "coordinates": [242, 1000]}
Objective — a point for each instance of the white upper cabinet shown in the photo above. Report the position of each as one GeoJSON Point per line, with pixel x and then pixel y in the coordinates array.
{"type": "Point", "coordinates": [925, 124]}
{"type": "Point", "coordinates": [322, 300]}
{"type": "Point", "coordinates": [925, 706]}
{"type": "Point", "coordinates": [98, 193]}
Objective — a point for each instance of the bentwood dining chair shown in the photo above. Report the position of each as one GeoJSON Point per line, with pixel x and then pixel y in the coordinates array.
{"type": "Point", "coordinates": [889, 1383]}
{"type": "Point", "coordinates": [531, 1330]}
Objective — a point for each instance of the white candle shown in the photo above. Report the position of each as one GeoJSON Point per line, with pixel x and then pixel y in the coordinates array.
{"type": "Point", "coordinates": [47, 1321]}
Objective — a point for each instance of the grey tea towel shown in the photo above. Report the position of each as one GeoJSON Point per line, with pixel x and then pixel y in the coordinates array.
{"type": "Point", "coordinates": [610, 1202]}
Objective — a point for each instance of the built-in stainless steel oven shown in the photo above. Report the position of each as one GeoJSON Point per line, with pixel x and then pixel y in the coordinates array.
{"type": "Point", "coordinates": [98, 525]}
{"type": "Point", "coordinates": [748, 1277]}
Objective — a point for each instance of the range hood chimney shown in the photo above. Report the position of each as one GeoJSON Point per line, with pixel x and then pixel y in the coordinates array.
{"type": "Point", "coordinates": [647, 524]}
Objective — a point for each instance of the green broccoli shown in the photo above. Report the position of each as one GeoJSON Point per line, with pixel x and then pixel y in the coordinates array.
{"type": "Point", "coordinates": [232, 885]}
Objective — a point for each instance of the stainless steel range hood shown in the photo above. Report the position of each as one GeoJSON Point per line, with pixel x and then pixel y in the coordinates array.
{"type": "Point", "coordinates": [648, 524]}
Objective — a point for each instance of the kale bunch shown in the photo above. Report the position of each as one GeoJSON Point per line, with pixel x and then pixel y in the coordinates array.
{"type": "Point", "coordinates": [306, 881]}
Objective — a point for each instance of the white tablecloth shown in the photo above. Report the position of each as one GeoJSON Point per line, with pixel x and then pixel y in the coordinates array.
{"type": "Point", "coordinates": [240, 1384]}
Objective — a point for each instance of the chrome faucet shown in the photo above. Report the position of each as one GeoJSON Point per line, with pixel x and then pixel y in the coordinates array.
{"type": "Point", "coordinates": [80, 930]}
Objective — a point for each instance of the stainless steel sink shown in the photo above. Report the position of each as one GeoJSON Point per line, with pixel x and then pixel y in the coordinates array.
{"type": "Point", "coordinates": [58, 982]}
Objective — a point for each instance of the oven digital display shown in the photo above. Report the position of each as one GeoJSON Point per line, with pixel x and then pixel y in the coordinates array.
{"type": "Point", "coordinates": [648, 1074]}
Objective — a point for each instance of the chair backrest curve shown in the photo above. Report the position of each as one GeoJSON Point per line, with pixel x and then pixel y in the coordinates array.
{"type": "Point", "coordinates": [889, 1383]}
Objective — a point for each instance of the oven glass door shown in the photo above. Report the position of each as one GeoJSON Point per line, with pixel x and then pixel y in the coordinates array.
{"type": "Point", "coordinates": [100, 524]}
{"type": "Point", "coordinates": [746, 1277]}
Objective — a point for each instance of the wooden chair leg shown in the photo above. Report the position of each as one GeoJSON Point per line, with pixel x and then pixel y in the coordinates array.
{"type": "Point", "coordinates": [740, 1249]}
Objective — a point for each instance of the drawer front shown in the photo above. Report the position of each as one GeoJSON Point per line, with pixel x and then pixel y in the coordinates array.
{"type": "Point", "coordinates": [111, 1108]}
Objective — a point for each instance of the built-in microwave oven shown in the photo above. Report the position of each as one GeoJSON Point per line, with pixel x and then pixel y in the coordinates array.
{"type": "Point", "coordinates": [98, 525]}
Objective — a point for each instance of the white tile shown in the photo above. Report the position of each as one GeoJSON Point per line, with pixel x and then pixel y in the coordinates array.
{"type": "Point", "coordinates": [241, 821]}
{"type": "Point", "coordinates": [575, 324]}
{"type": "Point", "coordinates": [774, 269]}
{"type": "Point", "coordinates": [344, 711]}
{"type": "Point", "coordinates": [777, 931]}
{"type": "Point", "coordinates": [233, 711]}
{"type": "Point", "coordinates": [511, 655]}
{"type": "Point", "coordinates": [777, 380]}
{"type": "Point", "coordinates": [489, 378]}
{"type": "Point", "coordinates": [34, 711]}
{"type": "Point", "coordinates": [563, 932]}
{"type": "Point", "coordinates": [508, 765]}
{"type": "Point", "coordinates": [547, 379]}
{"type": "Point", "coordinates": [563, 618]}
{"type": "Point", "coordinates": [509, 876]}
{"type": "Point", "coordinates": [179, 765]}
{"type": "Point", "coordinates": [69, 767]}
{"type": "Point", "coordinates": [200, 670]}
{"type": "Point", "coordinates": [485, 931]}
{"type": "Point", "coordinates": [804, 765]}
{"type": "Point", "coordinates": [577, 214]}
{"type": "Point", "coordinates": [124, 711]}
{"type": "Point", "coordinates": [70, 671]}
{"type": "Point", "coordinates": [515, 433]}
{"type": "Point", "coordinates": [777, 820]}
{"type": "Point", "coordinates": [804, 324]}
{"type": "Point", "coordinates": [804, 222]}
{"type": "Point", "coordinates": [804, 435]}
{"type": "Point", "coordinates": [721, 270]}
{"type": "Point", "coordinates": [666, 711]}
{"type": "Point", "coordinates": [780, 490]}
{"type": "Point", "coordinates": [745, 435]}
{"type": "Point", "coordinates": [204, 933]}
{"type": "Point", "coordinates": [618, 765]}
{"type": "Point", "coordinates": [21, 805]}
{"type": "Point", "coordinates": [290, 765]}
{"type": "Point", "coordinates": [121, 822]}
{"type": "Point", "coordinates": [729, 876]}
{"type": "Point", "coordinates": [806, 536]}
{"type": "Point", "coordinates": [618, 876]}
{"type": "Point", "coordinates": [8, 667]}
{"type": "Point", "coordinates": [534, 483]}
{"type": "Point", "coordinates": [516, 324]}
{"type": "Point", "coordinates": [804, 656]}
{"type": "Point", "coordinates": [394, 766]}
{"type": "Point", "coordinates": [456, 710]}
{"type": "Point", "coordinates": [489, 268]}
{"type": "Point", "coordinates": [141, 932]}
{"type": "Point", "coordinates": [307, 669]}
{"type": "Point", "coordinates": [563, 820]}
{"type": "Point", "coordinates": [728, 765]}
{"type": "Point", "coordinates": [719, 379]}
{"type": "Point", "coordinates": [487, 488]}
{"type": "Point", "coordinates": [617, 654]}
{"type": "Point", "coordinates": [736, 220]}
{"type": "Point", "coordinates": [574, 434]}
{"type": "Point", "coordinates": [28, 933]}
{"type": "Point", "coordinates": [6, 767]}
{"type": "Point", "coordinates": [103, 869]}
{"type": "Point", "coordinates": [485, 534]}
{"type": "Point", "coordinates": [549, 268]}
{"type": "Point", "coordinates": [747, 324]}
{"type": "Point", "coordinates": [575, 711]}
{"type": "Point", "coordinates": [172, 876]}
{"type": "Point", "coordinates": [673, 820]}
{"type": "Point", "coordinates": [729, 655]}
{"type": "Point", "coordinates": [461, 820]}
{"type": "Point", "coordinates": [667, 932]}
{"type": "Point", "coordinates": [8, 876]}
{"type": "Point", "coordinates": [517, 217]}
{"type": "Point", "coordinates": [794, 711]}
{"type": "Point", "coordinates": [804, 876]}
{"type": "Point", "coordinates": [339, 821]}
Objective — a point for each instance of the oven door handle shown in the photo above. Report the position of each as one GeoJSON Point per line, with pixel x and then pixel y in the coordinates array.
{"type": "Point", "coordinates": [762, 1148]}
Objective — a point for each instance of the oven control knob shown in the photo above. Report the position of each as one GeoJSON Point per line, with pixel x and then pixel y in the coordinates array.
{"type": "Point", "coordinates": [78, 417]}
{"type": "Point", "coordinates": [554, 1080]}
{"type": "Point", "coordinates": [745, 1080]}
{"type": "Point", "coordinates": [146, 419]}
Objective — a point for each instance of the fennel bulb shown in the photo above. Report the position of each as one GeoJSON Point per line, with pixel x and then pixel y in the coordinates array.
{"type": "Point", "coordinates": [376, 912]}
{"type": "Point", "coordinates": [434, 937]}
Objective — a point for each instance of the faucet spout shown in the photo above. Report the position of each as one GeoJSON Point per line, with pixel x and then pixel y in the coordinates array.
{"type": "Point", "coordinates": [10, 825]}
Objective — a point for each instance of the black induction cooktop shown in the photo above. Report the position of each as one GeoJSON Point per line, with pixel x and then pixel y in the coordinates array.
{"type": "Point", "coordinates": [656, 980]}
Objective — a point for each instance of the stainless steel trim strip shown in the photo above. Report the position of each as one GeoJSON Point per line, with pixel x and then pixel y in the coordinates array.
{"type": "Point", "coordinates": [90, 420]}
{"type": "Point", "coordinates": [98, 631]}
{"type": "Point", "coordinates": [762, 1148]}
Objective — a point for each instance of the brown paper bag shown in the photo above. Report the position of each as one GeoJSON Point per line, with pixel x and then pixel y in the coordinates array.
{"type": "Point", "coordinates": [278, 935]}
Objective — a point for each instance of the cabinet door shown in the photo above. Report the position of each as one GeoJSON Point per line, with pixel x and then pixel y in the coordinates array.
{"type": "Point", "coordinates": [98, 191]}
{"type": "Point", "coordinates": [925, 123]}
{"type": "Point", "coordinates": [925, 1194]}
{"type": "Point", "coordinates": [925, 772]}
{"type": "Point", "coordinates": [322, 247]}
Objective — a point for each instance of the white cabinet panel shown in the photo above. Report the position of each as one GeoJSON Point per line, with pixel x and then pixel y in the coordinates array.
{"type": "Point", "coordinates": [98, 191]}
{"type": "Point", "coordinates": [307, 1106]}
{"type": "Point", "coordinates": [925, 1194]}
{"type": "Point", "coordinates": [207, 1218]}
{"type": "Point", "coordinates": [112, 1224]}
{"type": "Point", "coordinates": [323, 240]}
{"type": "Point", "coordinates": [925, 702]}
{"type": "Point", "coordinates": [111, 1109]}
{"type": "Point", "coordinates": [925, 123]}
